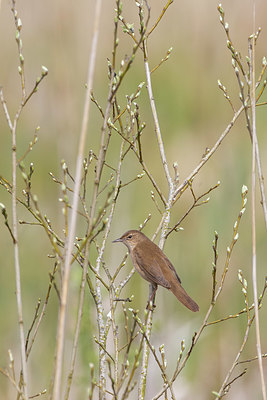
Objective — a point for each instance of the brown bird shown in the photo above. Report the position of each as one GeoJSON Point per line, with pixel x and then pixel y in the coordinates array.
{"type": "Point", "coordinates": [154, 266]}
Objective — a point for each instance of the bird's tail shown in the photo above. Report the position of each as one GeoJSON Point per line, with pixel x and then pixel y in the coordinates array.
{"type": "Point", "coordinates": [183, 297]}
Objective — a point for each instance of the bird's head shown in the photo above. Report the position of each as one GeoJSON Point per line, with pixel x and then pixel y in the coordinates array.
{"type": "Point", "coordinates": [130, 239]}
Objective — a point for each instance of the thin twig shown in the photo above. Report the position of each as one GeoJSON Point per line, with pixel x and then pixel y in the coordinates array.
{"type": "Point", "coordinates": [156, 121]}
{"type": "Point", "coordinates": [225, 383]}
{"type": "Point", "coordinates": [209, 154]}
{"type": "Point", "coordinates": [77, 325]}
{"type": "Point", "coordinates": [160, 17]}
{"type": "Point", "coordinates": [32, 324]}
{"type": "Point", "coordinates": [195, 204]}
{"type": "Point", "coordinates": [251, 359]}
{"type": "Point", "coordinates": [14, 383]}
{"type": "Point", "coordinates": [51, 276]}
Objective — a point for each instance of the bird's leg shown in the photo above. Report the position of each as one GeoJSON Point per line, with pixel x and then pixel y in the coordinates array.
{"type": "Point", "coordinates": [152, 292]}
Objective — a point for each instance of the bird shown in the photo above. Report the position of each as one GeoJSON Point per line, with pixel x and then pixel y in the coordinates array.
{"type": "Point", "coordinates": [154, 266]}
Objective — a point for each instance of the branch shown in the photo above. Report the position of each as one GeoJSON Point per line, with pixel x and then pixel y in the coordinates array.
{"type": "Point", "coordinates": [252, 40]}
{"type": "Point", "coordinates": [208, 155]}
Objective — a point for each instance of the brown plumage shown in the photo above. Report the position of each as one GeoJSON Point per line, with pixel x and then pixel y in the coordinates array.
{"type": "Point", "coordinates": [154, 266]}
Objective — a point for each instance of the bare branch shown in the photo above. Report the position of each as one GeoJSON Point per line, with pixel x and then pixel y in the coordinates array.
{"type": "Point", "coordinates": [252, 41]}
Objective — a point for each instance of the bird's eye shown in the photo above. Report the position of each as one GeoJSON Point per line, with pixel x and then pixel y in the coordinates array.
{"type": "Point", "coordinates": [129, 237]}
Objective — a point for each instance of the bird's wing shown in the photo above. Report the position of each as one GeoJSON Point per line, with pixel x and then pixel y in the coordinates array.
{"type": "Point", "coordinates": [152, 269]}
{"type": "Point", "coordinates": [171, 267]}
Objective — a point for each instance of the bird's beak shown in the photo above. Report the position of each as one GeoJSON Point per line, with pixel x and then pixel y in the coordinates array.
{"type": "Point", "coordinates": [117, 240]}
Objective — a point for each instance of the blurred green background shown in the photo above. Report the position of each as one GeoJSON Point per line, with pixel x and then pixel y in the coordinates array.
{"type": "Point", "coordinates": [192, 113]}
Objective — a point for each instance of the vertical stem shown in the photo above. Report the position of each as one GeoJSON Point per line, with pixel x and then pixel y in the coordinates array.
{"type": "Point", "coordinates": [102, 335]}
{"type": "Point", "coordinates": [165, 219]}
{"type": "Point", "coordinates": [253, 206]}
{"type": "Point", "coordinates": [115, 339]}
{"type": "Point", "coordinates": [261, 181]}
{"type": "Point", "coordinates": [70, 238]}
{"type": "Point", "coordinates": [99, 300]}
{"type": "Point", "coordinates": [143, 374]}
{"type": "Point", "coordinates": [111, 293]}
{"type": "Point", "coordinates": [16, 259]}
{"type": "Point", "coordinates": [78, 324]}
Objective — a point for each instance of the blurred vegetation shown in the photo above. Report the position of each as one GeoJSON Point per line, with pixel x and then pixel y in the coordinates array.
{"type": "Point", "coordinates": [193, 113]}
